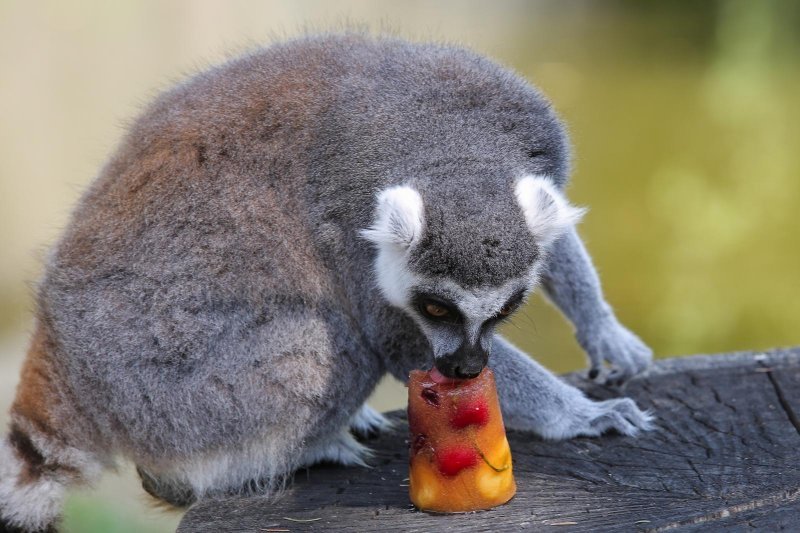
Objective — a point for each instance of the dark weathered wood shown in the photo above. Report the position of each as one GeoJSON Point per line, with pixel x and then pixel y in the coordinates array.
{"type": "Point", "coordinates": [726, 454]}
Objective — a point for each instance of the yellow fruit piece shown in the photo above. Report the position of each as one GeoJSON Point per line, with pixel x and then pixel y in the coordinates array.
{"type": "Point", "coordinates": [500, 457]}
{"type": "Point", "coordinates": [424, 487]}
{"type": "Point", "coordinates": [495, 479]}
{"type": "Point", "coordinates": [494, 485]}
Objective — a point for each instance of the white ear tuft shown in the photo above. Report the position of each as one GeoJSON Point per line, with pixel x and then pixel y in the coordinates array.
{"type": "Point", "coordinates": [398, 218]}
{"type": "Point", "coordinates": [546, 211]}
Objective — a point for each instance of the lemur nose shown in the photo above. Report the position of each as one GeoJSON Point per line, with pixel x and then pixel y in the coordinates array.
{"type": "Point", "coordinates": [467, 374]}
{"type": "Point", "coordinates": [465, 363]}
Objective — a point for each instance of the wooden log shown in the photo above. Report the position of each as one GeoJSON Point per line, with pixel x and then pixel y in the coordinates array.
{"type": "Point", "coordinates": [724, 456]}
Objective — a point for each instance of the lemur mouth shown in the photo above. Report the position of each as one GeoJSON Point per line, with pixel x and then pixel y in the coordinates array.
{"type": "Point", "coordinates": [440, 378]}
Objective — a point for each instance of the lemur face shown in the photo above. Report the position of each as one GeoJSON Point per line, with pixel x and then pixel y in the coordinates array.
{"type": "Point", "coordinates": [459, 306]}
{"type": "Point", "coordinates": [459, 323]}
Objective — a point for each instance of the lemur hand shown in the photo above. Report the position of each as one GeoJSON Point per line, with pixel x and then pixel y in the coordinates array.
{"type": "Point", "coordinates": [589, 418]}
{"type": "Point", "coordinates": [533, 399]}
{"type": "Point", "coordinates": [612, 342]}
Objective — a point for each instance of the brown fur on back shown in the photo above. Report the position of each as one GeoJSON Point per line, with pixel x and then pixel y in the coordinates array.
{"type": "Point", "coordinates": [35, 399]}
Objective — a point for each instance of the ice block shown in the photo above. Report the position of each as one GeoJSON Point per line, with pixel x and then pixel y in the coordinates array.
{"type": "Point", "coordinates": [459, 457]}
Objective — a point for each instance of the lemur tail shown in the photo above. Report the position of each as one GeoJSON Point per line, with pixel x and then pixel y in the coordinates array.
{"type": "Point", "coordinates": [33, 477]}
{"type": "Point", "coordinates": [37, 463]}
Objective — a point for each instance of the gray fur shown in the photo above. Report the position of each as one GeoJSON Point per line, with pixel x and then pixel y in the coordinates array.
{"type": "Point", "coordinates": [212, 301]}
{"type": "Point", "coordinates": [533, 399]}
{"type": "Point", "coordinates": [572, 283]}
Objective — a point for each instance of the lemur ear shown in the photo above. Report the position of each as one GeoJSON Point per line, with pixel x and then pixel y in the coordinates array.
{"type": "Point", "coordinates": [546, 211]}
{"type": "Point", "coordinates": [398, 218]}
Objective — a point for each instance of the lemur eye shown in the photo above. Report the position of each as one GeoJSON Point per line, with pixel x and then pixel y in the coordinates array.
{"type": "Point", "coordinates": [511, 305]}
{"type": "Point", "coordinates": [436, 310]}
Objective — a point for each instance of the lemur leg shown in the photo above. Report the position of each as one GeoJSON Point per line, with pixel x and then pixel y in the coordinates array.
{"type": "Point", "coordinates": [533, 399]}
{"type": "Point", "coordinates": [246, 469]}
{"type": "Point", "coordinates": [305, 398]}
{"type": "Point", "coordinates": [572, 283]}
{"type": "Point", "coordinates": [369, 423]}
{"type": "Point", "coordinates": [342, 448]}
{"type": "Point", "coordinates": [39, 459]}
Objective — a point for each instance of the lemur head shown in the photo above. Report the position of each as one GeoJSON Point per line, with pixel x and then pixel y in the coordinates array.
{"type": "Point", "coordinates": [462, 260]}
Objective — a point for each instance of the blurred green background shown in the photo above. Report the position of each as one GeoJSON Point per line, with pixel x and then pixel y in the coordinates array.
{"type": "Point", "coordinates": [684, 117]}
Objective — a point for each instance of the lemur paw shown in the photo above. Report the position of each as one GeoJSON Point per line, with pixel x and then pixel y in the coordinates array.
{"type": "Point", "coordinates": [595, 418]}
{"type": "Point", "coordinates": [617, 345]}
{"type": "Point", "coordinates": [621, 415]}
{"type": "Point", "coordinates": [368, 423]}
{"type": "Point", "coordinates": [341, 449]}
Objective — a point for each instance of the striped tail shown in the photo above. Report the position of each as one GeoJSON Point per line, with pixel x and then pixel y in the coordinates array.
{"type": "Point", "coordinates": [34, 475]}
{"type": "Point", "coordinates": [37, 464]}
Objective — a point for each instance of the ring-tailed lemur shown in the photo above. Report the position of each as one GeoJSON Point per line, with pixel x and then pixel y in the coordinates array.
{"type": "Point", "coordinates": [274, 235]}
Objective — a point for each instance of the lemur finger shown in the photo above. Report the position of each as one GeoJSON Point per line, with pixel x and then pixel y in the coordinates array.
{"type": "Point", "coordinates": [622, 371]}
{"type": "Point", "coordinates": [643, 358]}
{"type": "Point", "coordinates": [636, 359]}
{"type": "Point", "coordinates": [625, 416]}
{"type": "Point", "coordinates": [613, 420]}
{"type": "Point", "coordinates": [628, 408]}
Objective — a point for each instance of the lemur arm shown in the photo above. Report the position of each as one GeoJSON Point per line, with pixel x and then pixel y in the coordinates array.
{"type": "Point", "coordinates": [533, 399]}
{"type": "Point", "coordinates": [571, 282]}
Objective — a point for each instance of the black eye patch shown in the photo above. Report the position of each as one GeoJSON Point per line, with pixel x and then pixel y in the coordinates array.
{"type": "Point", "coordinates": [508, 308]}
{"type": "Point", "coordinates": [436, 309]}
{"type": "Point", "coordinates": [515, 301]}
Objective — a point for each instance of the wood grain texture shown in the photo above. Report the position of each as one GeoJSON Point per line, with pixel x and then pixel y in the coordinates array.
{"type": "Point", "coordinates": [725, 455]}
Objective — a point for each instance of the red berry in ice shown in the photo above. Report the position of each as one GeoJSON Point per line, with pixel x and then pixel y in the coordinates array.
{"type": "Point", "coordinates": [451, 461]}
{"type": "Point", "coordinates": [471, 412]}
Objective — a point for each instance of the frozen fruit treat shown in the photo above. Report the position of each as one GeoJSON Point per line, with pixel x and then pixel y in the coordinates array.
{"type": "Point", "coordinates": [460, 459]}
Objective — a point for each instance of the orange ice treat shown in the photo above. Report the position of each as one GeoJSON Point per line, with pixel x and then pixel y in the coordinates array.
{"type": "Point", "coordinates": [460, 459]}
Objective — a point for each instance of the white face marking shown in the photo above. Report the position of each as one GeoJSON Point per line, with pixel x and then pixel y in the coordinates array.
{"type": "Point", "coordinates": [393, 276]}
{"type": "Point", "coordinates": [399, 220]}
{"type": "Point", "coordinates": [480, 304]}
{"type": "Point", "coordinates": [476, 306]}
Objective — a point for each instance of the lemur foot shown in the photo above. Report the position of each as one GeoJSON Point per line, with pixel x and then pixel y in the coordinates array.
{"type": "Point", "coordinates": [368, 423]}
{"type": "Point", "coordinates": [171, 492]}
{"type": "Point", "coordinates": [341, 448]}
{"type": "Point", "coordinates": [617, 345]}
{"type": "Point", "coordinates": [595, 418]}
